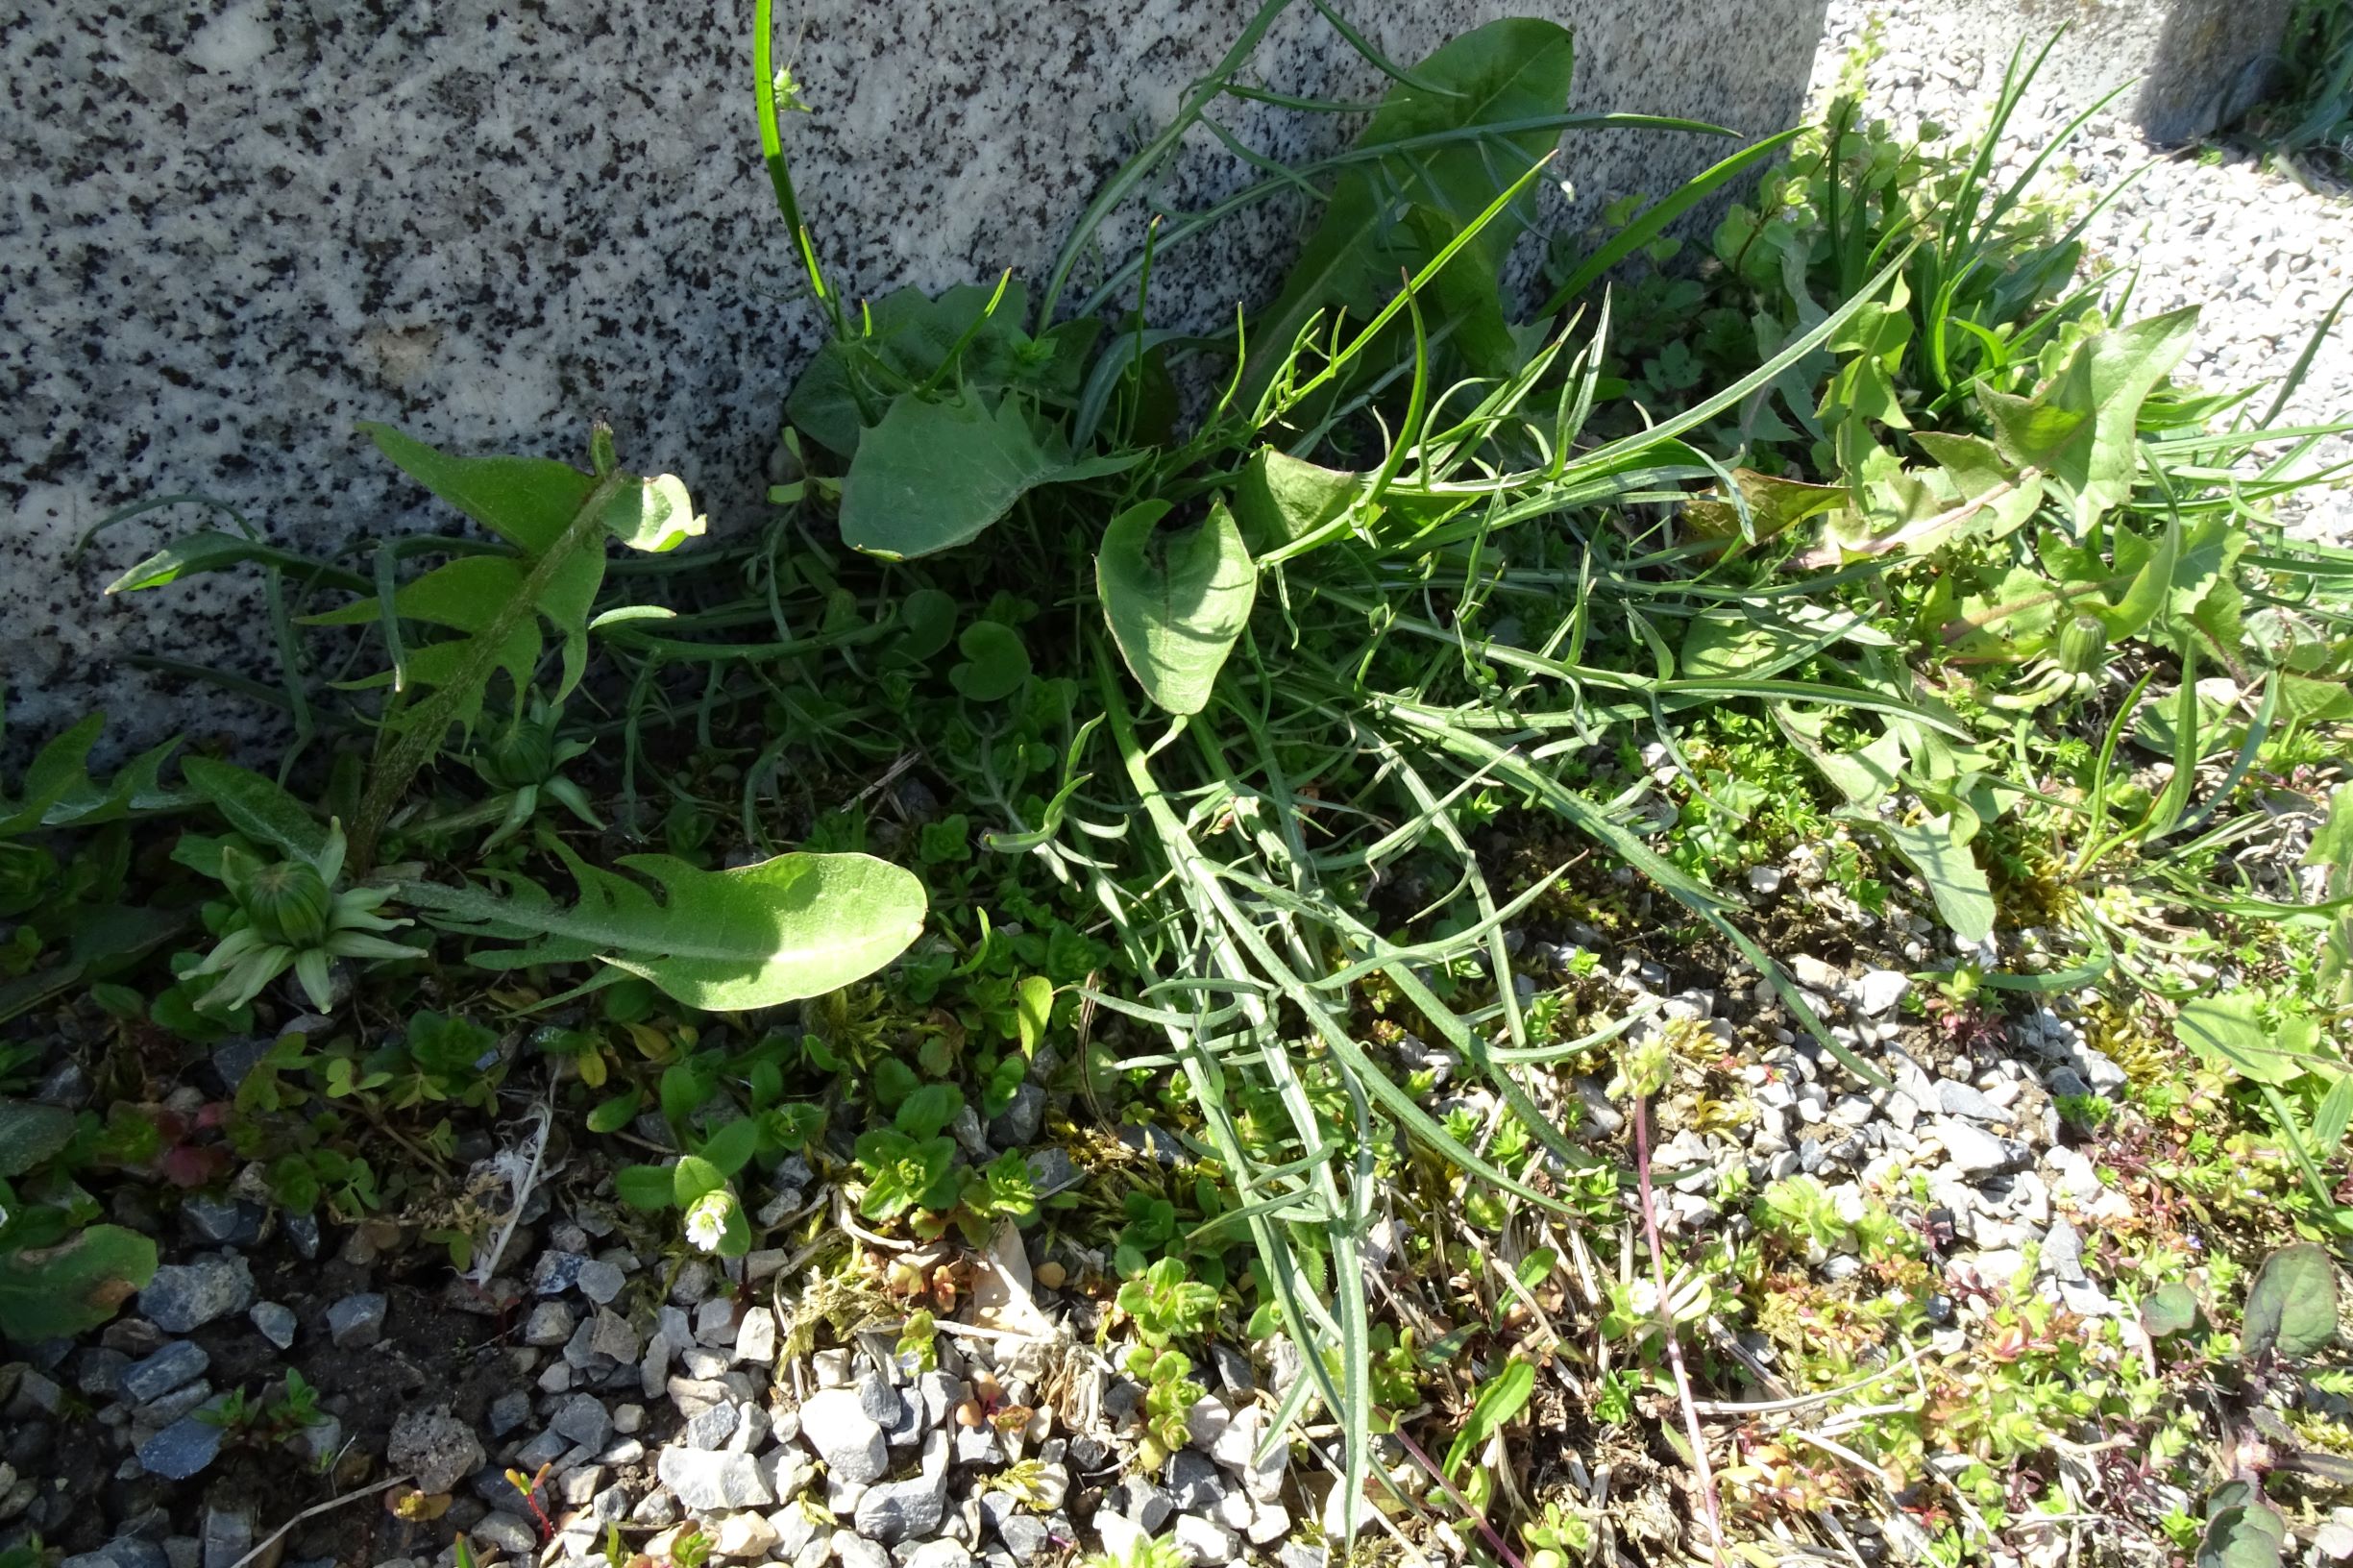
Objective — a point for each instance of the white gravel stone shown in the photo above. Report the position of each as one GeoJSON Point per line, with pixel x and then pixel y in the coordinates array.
{"type": "Point", "coordinates": [708, 1483]}
{"type": "Point", "coordinates": [1204, 1541]}
{"type": "Point", "coordinates": [834, 1422]}
{"type": "Point", "coordinates": [1880, 989]}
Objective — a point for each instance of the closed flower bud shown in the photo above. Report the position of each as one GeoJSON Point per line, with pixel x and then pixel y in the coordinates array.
{"type": "Point", "coordinates": [289, 903]}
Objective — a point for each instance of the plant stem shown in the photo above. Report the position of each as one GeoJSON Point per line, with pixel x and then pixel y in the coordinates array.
{"type": "Point", "coordinates": [1666, 1328]}
{"type": "Point", "coordinates": [401, 753]}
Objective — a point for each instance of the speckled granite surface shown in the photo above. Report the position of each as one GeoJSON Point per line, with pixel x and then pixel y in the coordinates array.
{"type": "Point", "coordinates": [230, 228]}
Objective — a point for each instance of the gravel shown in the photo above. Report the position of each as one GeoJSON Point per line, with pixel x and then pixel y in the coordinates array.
{"type": "Point", "coordinates": [184, 1297]}
{"type": "Point", "coordinates": [2263, 257]}
{"type": "Point", "coordinates": [357, 1321]}
{"type": "Point", "coordinates": [434, 1447]}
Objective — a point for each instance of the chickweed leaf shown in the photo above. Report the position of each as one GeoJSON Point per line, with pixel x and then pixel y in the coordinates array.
{"type": "Point", "coordinates": [691, 1177]}
{"type": "Point", "coordinates": [732, 1146]}
{"type": "Point", "coordinates": [643, 1186]}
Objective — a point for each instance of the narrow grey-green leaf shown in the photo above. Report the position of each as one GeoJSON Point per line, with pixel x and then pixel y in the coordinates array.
{"type": "Point", "coordinates": [1176, 602]}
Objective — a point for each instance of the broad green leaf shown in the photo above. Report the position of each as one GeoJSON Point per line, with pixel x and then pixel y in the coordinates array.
{"type": "Point", "coordinates": [2169, 1311]}
{"type": "Point", "coordinates": [258, 808]}
{"type": "Point", "coordinates": [1500, 1397]}
{"type": "Point", "coordinates": [643, 1186]}
{"type": "Point", "coordinates": [470, 594]}
{"type": "Point", "coordinates": [2292, 1307]}
{"type": "Point", "coordinates": [534, 504]}
{"type": "Point", "coordinates": [616, 1111]}
{"type": "Point", "coordinates": [1963, 895]}
{"type": "Point", "coordinates": [1032, 1002]}
{"type": "Point", "coordinates": [2226, 1033]}
{"type": "Point", "coordinates": [1389, 216]}
{"type": "Point", "coordinates": [1775, 505]}
{"type": "Point", "coordinates": [911, 335]}
{"type": "Point", "coordinates": [2080, 427]}
{"type": "Point", "coordinates": [1176, 602]}
{"type": "Point", "coordinates": [936, 474]}
{"type": "Point", "coordinates": [30, 1134]}
{"type": "Point", "coordinates": [2244, 1536]}
{"type": "Point", "coordinates": [752, 936]}
{"type": "Point", "coordinates": [996, 662]}
{"type": "Point", "coordinates": [57, 790]}
{"type": "Point", "coordinates": [2331, 845]}
{"type": "Point", "coordinates": [48, 1292]}
{"type": "Point", "coordinates": [731, 1148]}
{"type": "Point", "coordinates": [693, 1176]}
{"type": "Point", "coordinates": [2332, 1116]}
{"type": "Point", "coordinates": [929, 617]}
{"type": "Point", "coordinates": [527, 501]}
{"type": "Point", "coordinates": [1281, 498]}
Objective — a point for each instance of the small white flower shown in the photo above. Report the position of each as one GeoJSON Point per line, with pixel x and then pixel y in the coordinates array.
{"type": "Point", "coordinates": [706, 1221]}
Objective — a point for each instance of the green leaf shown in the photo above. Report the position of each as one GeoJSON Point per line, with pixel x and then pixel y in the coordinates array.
{"type": "Point", "coordinates": [2172, 1310]}
{"type": "Point", "coordinates": [48, 1292]}
{"type": "Point", "coordinates": [258, 808]}
{"type": "Point", "coordinates": [2332, 845]}
{"type": "Point", "coordinates": [2228, 1034]}
{"type": "Point", "coordinates": [1774, 504]}
{"type": "Point", "coordinates": [923, 1113]}
{"type": "Point", "coordinates": [57, 791]}
{"type": "Point", "coordinates": [2292, 1307]}
{"type": "Point", "coordinates": [1499, 1399]}
{"type": "Point", "coordinates": [691, 1177]}
{"type": "Point", "coordinates": [996, 662]}
{"type": "Point", "coordinates": [1032, 1003]}
{"type": "Point", "coordinates": [754, 935]}
{"type": "Point", "coordinates": [617, 1111]}
{"type": "Point", "coordinates": [1944, 861]}
{"type": "Point", "coordinates": [2244, 1536]}
{"type": "Point", "coordinates": [643, 1186]}
{"type": "Point", "coordinates": [731, 1148]}
{"type": "Point", "coordinates": [1389, 216]}
{"type": "Point", "coordinates": [2080, 426]}
{"type": "Point", "coordinates": [1176, 604]}
{"type": "Point", "coordinates": [935, 474]}
{"type": "Point", "coordinates": [207, 550]}
{"type": "Point", "coordinates": [30, 1134]}
{"type": "Point", "coordinates": [929, 617]}
{"type": "Point", "coordinates": [2334, 1114]}
{"type": "Point", "coordinates": [527, 501]}
{"type": "Point", "coordinates": [1280, 498]}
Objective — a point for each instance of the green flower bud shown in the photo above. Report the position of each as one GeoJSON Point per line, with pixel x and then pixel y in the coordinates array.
{"type": "Point", "coordinates": [523, 755]}
{"type": "Point", "coordinates": [2083, 646]}
{"type": "Point", "coordinates": [289, 903]}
